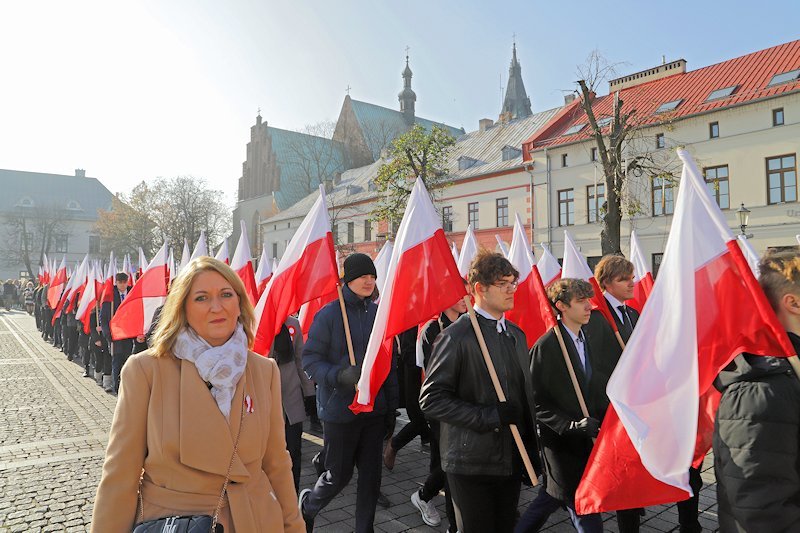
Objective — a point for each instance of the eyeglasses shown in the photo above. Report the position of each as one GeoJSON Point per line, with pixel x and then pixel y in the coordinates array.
{"type": "Point", "coordinates": [508, 286]}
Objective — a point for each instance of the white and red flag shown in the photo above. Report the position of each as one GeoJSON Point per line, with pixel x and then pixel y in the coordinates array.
{"type": "Point", "coordinates": [128, 269]}
{"type": "Point", "coordinates": [201, 248]}
{"type": "Point", "coordinates": [45, 269]}
{"type": "Point", "coordinates": [142, 263]}
{"type": "Point", "coordinates": [749, 254]}
{"type": "Point", "coordinates": [706, 307]}
{"type": "Point", "coordinates": [107, 292]}
{"type": "Point", "coordinates": [527, 307]}
{"type": "Point", "coordinates": [469, 249]}
{"type": "Point", "coordinates": [135, 314]}
{"type": "Point", "coordinates": [422, 280]}
{"type": "Point", "coordinates": [242, 264]}
{"type": "Point", "coordinates": [642, 277]}
{"type": "Point", "coordinates": [264, 272]}
{"type": "Point", "coordinates": [57, 284]}
{"type": "Point", "coordinates": [88, 301]}
{"type": "Point", "coordinates": [79, 284]}
{"type": "Point", "coordinates": [548, 267]}
{"type": "Point", "coordinates": [222, 253]}
{"type": "Point", "coordinates": [576, 267]}
{"type": "Point", "coordinates": [309, 309]}
{"type": "Point", "coordinates": [306, 271]}
{"type": "Point", "coordinates": [382, 261]}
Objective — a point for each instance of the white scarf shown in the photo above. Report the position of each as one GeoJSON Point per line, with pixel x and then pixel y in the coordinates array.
{"type": "Point", "coordinates": [222, 366]}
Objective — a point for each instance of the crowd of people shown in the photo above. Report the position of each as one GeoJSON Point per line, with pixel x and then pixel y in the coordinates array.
{"type": "Point", "coordinates": [17, 294]}
{"type": "Point", "coordinates": [199, 413]}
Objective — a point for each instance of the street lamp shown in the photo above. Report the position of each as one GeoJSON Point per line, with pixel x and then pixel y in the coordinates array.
{"type": "Point", "coordinates": [744, 216]}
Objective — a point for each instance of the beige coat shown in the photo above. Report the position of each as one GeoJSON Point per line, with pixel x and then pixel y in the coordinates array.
{"type": "Point", "coordinates": [167, 422]}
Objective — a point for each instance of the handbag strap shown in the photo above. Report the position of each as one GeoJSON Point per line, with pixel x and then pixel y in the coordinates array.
{"type": "Point", "coordinates": [224, 485]}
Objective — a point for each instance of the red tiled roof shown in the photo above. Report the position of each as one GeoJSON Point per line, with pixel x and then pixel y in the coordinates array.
{"type": "Point", "coordinates": [751, 73]}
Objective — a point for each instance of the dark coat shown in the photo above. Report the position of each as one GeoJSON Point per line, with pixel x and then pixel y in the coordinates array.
{"type": "Point", "coordinates": [123, 346]}
{"type": "Point", "coordinates": [757, 445]}
{"type": "Point", "coordinates": [458, 393]}
{"type": "Point", "coordinates": [565, 454]}
{"type": "Point", "coordinates": [325, 354]}
{"type": "Point", "coordinates": [632, 313]}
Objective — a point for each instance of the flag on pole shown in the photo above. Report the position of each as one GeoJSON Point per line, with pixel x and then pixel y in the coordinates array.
{"type": "Point", "coordinates": [749, 254]}
{"type": "Point", "coordinates": [306, 271]}
{"type": "Point", "coordinates": [422, 280]}
{"type": "Point", "coordinates": [107, 293]}
{"type": "Point", "coordinates": [469, 249]}
{"type": "Point", "coordinates": [45, 269]}
{"type": "Point", "coordinates": [643, 278]}
{"type": "Point", "coordinates": [576, 267]}
{"type": "Point", "coordinates": [663, 402]}
{"type": "Point", "coordinates": [382, 261]}
{"type": "Point", "coordinates": [263, 273]}
{"type": "Point", "coordinates": [57, 284]}
{"type": "Point", "coordinates": [502, 246]}
{"type": "Point", "coordinates": [201, 248]}
{"type": "Point", "coordinates": [222, 253]}
{"type": "Point", "coordinates": [88, 301]}
{"type": "Point", "coordinates": [242, 264]}
{"type": "Point", "coordinates": [548, 267]}
{"type": "Point", "coordinates": [142, 262]}
{"type": "Point", "coordinates": [135, 314]}
{"type": "Point", "coordinates": [81, 279]}
{"type": "Point", "coordinates": [185, 255]}
{"type": "Point", "coordinates": [128, 269]}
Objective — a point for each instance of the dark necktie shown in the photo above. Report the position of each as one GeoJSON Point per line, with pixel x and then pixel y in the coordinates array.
{"type": "Point", "coordinates": [587, 367]}
{"type": "Point", "coordinates": [626, 320]}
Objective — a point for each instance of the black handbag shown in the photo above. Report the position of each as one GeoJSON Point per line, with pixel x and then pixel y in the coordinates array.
{"type": "Point", "coordinates": [199, 523]}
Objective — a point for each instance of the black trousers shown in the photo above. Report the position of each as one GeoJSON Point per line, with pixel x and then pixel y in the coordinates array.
{"type": "Point", "coordinates": [485, 503]}
{"type": "Point", "coordinates": [437, 480]}
{"type": "Point", "coordinates": [294, 442]}
{"type": "Point", "coordinates": [354, 444]}
{"type": "Point", "coordinates": [412, 383]}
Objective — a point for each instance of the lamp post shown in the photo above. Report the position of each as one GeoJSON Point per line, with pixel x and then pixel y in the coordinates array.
{"type": "Point", "coordinates": [744, 216]}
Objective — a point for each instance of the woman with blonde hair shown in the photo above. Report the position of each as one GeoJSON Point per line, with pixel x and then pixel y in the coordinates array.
{"type": "Point", "coordinates": [198, 428]}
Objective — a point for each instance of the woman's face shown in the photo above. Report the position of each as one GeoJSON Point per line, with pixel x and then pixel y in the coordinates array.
{"type": "Point", "coordinates": [212, 308]}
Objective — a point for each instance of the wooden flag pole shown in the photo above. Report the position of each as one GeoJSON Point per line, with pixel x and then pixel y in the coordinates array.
{"type": "Point", "coordinates": [795, 362]}
{"type": "Point", "coordinates": [499, 391]}
{"type": "Point", "coordinates": [619, 339]}
{"type": "Point", "coordinates": [346, 326]}
{"type": "Point", "coordinates": [571, 370]}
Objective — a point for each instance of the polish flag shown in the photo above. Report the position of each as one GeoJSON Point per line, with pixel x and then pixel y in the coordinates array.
{"type": "Point", "coordinates": [422, 280]}
{"type": "Point", "coordinates": [706, 307]}
{"type": "Point", "coordinates": [548, 267]}
{"type": "Point", "coordinates": [142, 262]}
{"type": "Point", "coordinates": [222, 253]}
{"type": "Point", "coordinates": [382, 261]}
{"type": "Point", "coordinates": [135, 314]}
{"type": "Point", "coordinates": [309, 309]}
{"type": "Point", "coordinates": [88, 301]}
{"type": "Point", "coordinates": [45, 269]}
{"type": "Point", "coordinates": [242, 264]}
{"type": "Point", "coordinates": [643, 278]}
{"type": "Point", "coordinates": [75, 279]}
{"type": "Point", "coordinates": [263, 273]}
{"type": "Point", "coordinates": [201, 248]}
{"type": "Point", "coordinates": [469, 249]}
{"type": "Point", "coordinates": [527, 307]}
{"type": "Point", "coordinates": [185, 255]}
{"type": "Point", "coordinates": [57, 285]}
{"type": "Point", "coordinates": [79, 286]}
{"type": "Point", "coordinates": [107, 293]}
{"type": "Point", "coordinates": [502, 245]}
{"type": "Point", "coordinates": [749, 254]}
{"type": "Point", "coordinates": [576, 267]}
{"type": "Point", "coordinates": [128, 269]}
{"type": "Point", "coordinates": [306, 271]}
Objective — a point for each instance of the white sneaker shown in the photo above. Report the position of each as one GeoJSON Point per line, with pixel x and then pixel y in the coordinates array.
{"type": "Point", "coordinates": [427, 509]}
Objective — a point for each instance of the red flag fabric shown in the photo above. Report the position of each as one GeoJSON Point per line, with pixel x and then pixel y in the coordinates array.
{"type": "Point", "coordinates": [422, 281]}
{"type": "Point", "coordinates": [135, 314]}
{"type": "Point", "coordinates": [306, 271]}
{"type": "Point", "coordinates": [643, 279]}
{"type": "Point", "coordinates": [310, 309]}
{"type": "Point", "coordinates": [242, 264]}
{"type": "Point", "coordinates": [57, 285]}
{"type": "Point", "coordinates": [88, 302]}
{"type": "Point", "coordinates": [662, 397]}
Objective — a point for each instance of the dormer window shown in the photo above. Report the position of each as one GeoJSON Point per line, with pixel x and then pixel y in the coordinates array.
{"type": "Point", "coordinates": [785, 77]}
{"type": "Point", "coordinates": [510, 152]}
{"type": "Point", "coordinates": [72, 205]}
{"type": "Point", "coordinates": [465, 162]}
{"type": "Point", "coordinates": [371, 186]}
{"type": "Point", "coordinates": [603, 122]}
{"type": "Point", "coordinates": [722, 93]}
{"type": "Point", "coordinates": [25, 201]}
{"type": "Point", "coordinates": [669, 106]}
{"type": "Point", "coordinates": [574, 129]}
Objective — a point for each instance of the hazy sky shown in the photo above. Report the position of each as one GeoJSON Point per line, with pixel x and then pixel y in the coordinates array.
{"type": "Point", "coordinates": [139, 89]}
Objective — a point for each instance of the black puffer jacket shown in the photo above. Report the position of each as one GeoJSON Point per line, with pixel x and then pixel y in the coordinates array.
{"type": "Point", "coordinates": [757, 445]}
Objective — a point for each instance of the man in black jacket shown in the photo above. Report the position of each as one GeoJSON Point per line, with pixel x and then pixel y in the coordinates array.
{"type": "Point", "coordinates": [120, 349]}
{"type": "Point", "coordinates": [757, 430]}
{"type": "Point", "coordinates": [483, 466]}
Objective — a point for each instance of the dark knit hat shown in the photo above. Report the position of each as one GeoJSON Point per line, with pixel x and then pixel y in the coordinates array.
{"type": "Point", "coordinates": [357, 265]}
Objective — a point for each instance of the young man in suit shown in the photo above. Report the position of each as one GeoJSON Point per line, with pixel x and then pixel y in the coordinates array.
{"type": "Point", "coordinates": [120, 349]}
{"type": "Point", "coordinates": [565, 433]}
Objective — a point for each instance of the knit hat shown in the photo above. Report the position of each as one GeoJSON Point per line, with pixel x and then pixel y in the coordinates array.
{"type": "Point", "coordinates": [357, 265]}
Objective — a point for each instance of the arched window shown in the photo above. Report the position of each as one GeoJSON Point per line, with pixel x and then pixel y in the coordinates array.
{"type": "Point", "coordinates": [72, 205]}
{"type": "Point", "coordinates": [25, 201]}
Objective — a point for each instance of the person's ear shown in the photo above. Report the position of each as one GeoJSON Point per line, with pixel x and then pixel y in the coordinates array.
{"type": "Point", "coordinates": [560, 306]}
{"type": "Point", "coordinates": [791, 303]}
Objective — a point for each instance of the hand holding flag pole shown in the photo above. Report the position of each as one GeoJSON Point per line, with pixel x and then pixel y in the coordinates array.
{"type": "Point", "coordinates": [346, 326]}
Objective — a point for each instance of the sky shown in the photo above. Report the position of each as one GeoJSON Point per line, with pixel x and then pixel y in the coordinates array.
{"type": "Point", "coordinates": [132, 91]}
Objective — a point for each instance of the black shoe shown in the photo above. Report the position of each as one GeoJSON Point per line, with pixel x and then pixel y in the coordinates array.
{"type": "Point", "coordinates": [383, 501]}
{"type": "Point", "coordinates": [307, 519]}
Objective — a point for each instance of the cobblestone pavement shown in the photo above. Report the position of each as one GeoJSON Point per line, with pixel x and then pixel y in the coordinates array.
{"type": "Point", "coordinates": [53, 433]}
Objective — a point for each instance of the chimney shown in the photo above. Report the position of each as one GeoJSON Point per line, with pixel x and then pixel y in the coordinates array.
{"type": "Point", "coordinates": [80, 173]}
{"type": "Point", "coordinates": [337, 178]}
{"type": "Point", "coordinates": [569, 98]}
{"type": "Point", "coordinates": [485, 123]}
{"type": "Point", "coordinates": [328, 185]}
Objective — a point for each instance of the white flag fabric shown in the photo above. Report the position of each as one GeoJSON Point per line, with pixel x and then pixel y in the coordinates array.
{"type": "Point", "coordinates": [469, 249]}
{"type": "Point", "coordinates": [749, 254]}
{"type": "Point", "coordinates": [201, 248]}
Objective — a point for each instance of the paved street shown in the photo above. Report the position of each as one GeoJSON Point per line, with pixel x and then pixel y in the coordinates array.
{"type": "Point", "coordinates": [53, 433]}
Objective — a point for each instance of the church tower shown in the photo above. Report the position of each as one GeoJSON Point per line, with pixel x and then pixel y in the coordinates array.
{"type": "Point", "coordinates": [516, 104]}
{"type": "Point", "coordinates": [407, 97]}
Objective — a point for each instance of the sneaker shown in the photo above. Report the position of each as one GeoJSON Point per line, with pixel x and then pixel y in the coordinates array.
{"type": "Point", "coordinates": [427, 509]}
{"type": "Point", "coordinates": [300, 499]}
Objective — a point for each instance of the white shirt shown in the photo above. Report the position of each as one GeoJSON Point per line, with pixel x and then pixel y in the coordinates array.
{"type": "Point", "coordinates": [615, 305]}
{"type": "Point", "coordinates": [580, 345]}
{"type": "Point", "coordinates": [501, 324]}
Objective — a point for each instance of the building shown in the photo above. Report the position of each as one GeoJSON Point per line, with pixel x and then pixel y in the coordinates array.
{"type": "Point", "coordinates": [740, 120]}
{"type": "Point", "coordinates": [52, 214]}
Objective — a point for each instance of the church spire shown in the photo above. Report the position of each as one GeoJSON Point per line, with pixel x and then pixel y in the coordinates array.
{"type": "Point", "coordinates": [516, 104]}
{"type": "Point", "coordinates": [407, 96]}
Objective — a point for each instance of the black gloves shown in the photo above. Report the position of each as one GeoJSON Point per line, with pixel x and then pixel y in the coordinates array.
{"type": "Point", "coordinates": [589, 427]}
{"type": "Point", "coordinates": [509, 413]}
{"type": "Point", "coordinates": [348, 377]}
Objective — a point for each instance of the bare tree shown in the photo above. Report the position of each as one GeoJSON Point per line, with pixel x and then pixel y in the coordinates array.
{"type": "Point", "coordinates": [379, 134]}
{"type": "Point", "coordinates": [31, 232]}
{"type": "Point", "coordinates": [315, 155]}
{"type": "Point", "coordinates": [129, 224]}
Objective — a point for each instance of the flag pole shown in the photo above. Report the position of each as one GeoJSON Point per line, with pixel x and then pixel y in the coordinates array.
{"type": "Point", "coordinates": [499, 391]}
{"type": "Point", "coordinates": [346, 326]}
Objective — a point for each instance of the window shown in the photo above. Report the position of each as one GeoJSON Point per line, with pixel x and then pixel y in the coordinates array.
{"type": "Point", "coordinates": [662, 197]}
{"type": "Point", "coordinates": [563, 160]}
{"type": "Point", "coordinates": [777, 117]}
{"type": "Point", "coordinates": [61, 242]}
{"type": "Point", "coordinates": [465, 162]}
{"type": "Point", "coordinates": [713, 130]}
{"type": "Point", "coordinates": [72, 205]}
{"type": "Point", "coordinates": [94, 244]}
{"type": "Point", "coordinates": [657, 263]}
{"type": "Point", "coordinates": [595, 198]}
{"type": "Point", "coordinates": [721, 93]}
{"type": "Point", "coordinates": [288, 225]}
{"type": "Point", "coordinates": [574, 129]}
{"type": "Point", "coordinates": [335, 233]}
{"type": "Point", "coordinates": [594, 154]}
{"type": "Point", "coordinates": [25, 201]}
{"type": "Point", "coordinates": [603, 122]}
{"type": "Point", "coordinates": [351, 232]}
{"type": "Point", "coordinates": [26, 240]}
{"type": "Point", "coordinates": [669, 106]}
{"type": "Point", "coordinates": [367, 230]}
{"type": "Point", "coordinates": [510, 152]}
{"type": "Point", "coordinates": [274, 249]}
{"type": "Point", "coordinates": [717, 181]}
{"type": "Point", "coordinates": [472, 214]}
{"type": "Point", "coordinates": [782, 179]}
{"type": "Point", "coordinates": [447, 218]}
{"type": "Point", "coordinates": [660, 142]}
{"type": "Point", "coordinates": [502, 212]}
{"type": "Point", "coordinates": [785, 77]}
{"type": "Point", "coordinates": [566, 207]}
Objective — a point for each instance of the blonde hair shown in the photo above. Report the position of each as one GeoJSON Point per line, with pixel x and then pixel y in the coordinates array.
{"type": "Point", "coordinates": [779, 274]}
{"type": "Point", "coordinates": [173, 314]}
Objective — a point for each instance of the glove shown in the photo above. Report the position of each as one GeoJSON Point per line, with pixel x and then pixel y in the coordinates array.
{"type": "Point", "coordinates": [509, 413]}
{"type": "Point", "coordinates": [589, 427]}
{"type": "Point", "coordinates": [348, 377]}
